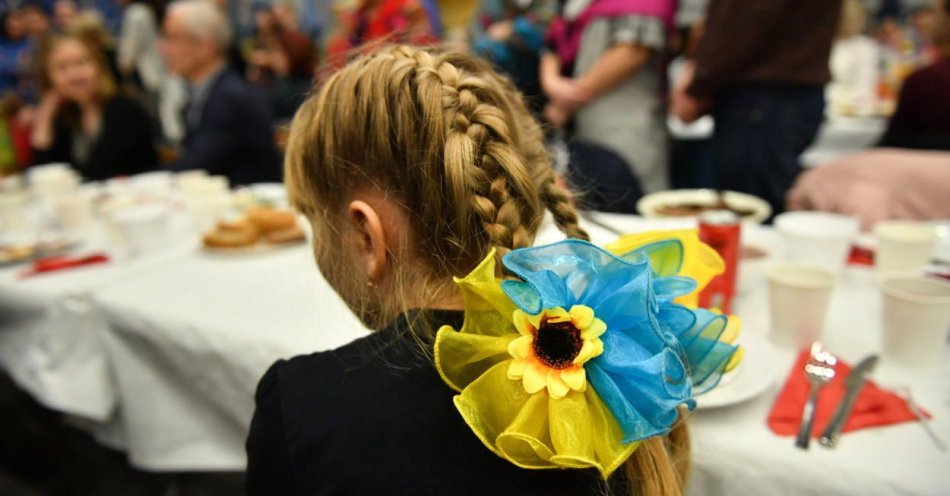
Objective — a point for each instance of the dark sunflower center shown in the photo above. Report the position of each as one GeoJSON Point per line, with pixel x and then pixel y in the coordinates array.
{"type": "Point", "coordinates": [557, 344]}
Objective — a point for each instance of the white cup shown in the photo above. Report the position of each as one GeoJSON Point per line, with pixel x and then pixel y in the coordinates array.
{"type": "Point", "coordinates": [207, 208]}
{"type": "Point", "coordinates": [144, 228]}
{"type": "Point", "coordinates": [819, 238]}
{"type": "Point", "coordinates": [903, 246]}
{"type": "Point", "coordinates": [14, 218]}
{"type": "Point", "coordinates": [916, 313]}
{"type": "Point", "coordinates": [798, 302]}
{"type": "Point", "coordinates": [53, 181]}
{"type": "Point", "coordinates": [74, 212]}
{"type": "Point", "coordinates": [155, 185]}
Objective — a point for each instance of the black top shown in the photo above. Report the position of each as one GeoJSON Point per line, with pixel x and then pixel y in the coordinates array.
{"type": "Point", "coordinates": [374, 417]}
{"type": "Point", "coordinates": [234, 136]}
{"type": "Point", "coordinates": [124, 145]}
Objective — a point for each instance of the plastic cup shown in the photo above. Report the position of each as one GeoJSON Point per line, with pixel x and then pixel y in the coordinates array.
{"type": "Point", "coordinates": [144, 228]}
{"type": "Point", "coordinates": [74, 212]}
{"type": "Point", "coordinates": [14, 217]}
{"type": "Point", "coordinates": [818, 238]}
{"type": "Point", "coordinates": [916, 312]}
{"type": "Point", "coordinates": [903, 246]}
{"type": "Point", "coordinates": [156, 185]}
{"type": "Point", "coordinates": [798, 302]}
{"type": "Point", "coordinates": [52, 181]}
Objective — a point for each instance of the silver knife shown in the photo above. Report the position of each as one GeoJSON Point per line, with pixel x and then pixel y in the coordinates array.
{"type": "Point", "coordinates": [853, 383]}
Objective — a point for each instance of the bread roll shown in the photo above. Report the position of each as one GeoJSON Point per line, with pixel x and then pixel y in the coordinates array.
{"type": "Point", "coordinates": [291, 235]}
{"type": "Point", "coordinates": [269, 219]}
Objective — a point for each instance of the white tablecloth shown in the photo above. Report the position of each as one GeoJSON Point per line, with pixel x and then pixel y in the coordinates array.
{"type": "Point", "coordinates": [178, 343]}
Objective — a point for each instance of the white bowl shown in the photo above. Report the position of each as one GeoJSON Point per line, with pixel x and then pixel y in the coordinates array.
{"type": "Point", "coordinates": [650, 206]}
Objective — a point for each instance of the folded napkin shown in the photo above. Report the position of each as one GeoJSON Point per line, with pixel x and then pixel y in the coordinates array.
{"type": "Point", "coordinates": [874, 406]}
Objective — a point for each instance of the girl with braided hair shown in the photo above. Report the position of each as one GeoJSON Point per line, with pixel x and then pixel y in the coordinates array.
{"type": "Point", "coordinates": [413, 166]}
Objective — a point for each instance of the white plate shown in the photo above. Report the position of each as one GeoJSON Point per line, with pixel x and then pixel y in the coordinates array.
{"type": "Point", "coordinates": [754, 375]}
{"type": "Point", "coordinates": [649, 205]}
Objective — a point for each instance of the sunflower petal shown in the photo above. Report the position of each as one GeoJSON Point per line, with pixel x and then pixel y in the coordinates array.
{"type": "Point", "coordinates": [575, 378]}
{"type": "Point", "coordinates": [582, 316]}
{"type": "Point", "coordinates": [556, 387]}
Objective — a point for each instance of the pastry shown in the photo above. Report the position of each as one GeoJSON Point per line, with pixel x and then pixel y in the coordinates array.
{"type": "Point", "coordinates": [232, 234]}
{"type": "Point", "coordinates": [290, 235]}
{"type": "Point", "coordinates": [270, 219]}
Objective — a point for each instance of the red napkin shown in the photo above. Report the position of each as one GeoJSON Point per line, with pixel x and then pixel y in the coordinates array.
{"type": "Point", "coordinates": [874, 406]}
{"type": "Point", "coordinates": [52, 264]}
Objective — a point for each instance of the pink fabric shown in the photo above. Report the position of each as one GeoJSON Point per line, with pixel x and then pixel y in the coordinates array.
{"type": "Point", "coordinates": [566, 35]}
{"type": "Point", "coordinates": [878, 185]}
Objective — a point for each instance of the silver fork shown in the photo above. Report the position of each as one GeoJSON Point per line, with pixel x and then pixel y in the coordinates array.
{"type": "Point", "coordinates": [819, 370]}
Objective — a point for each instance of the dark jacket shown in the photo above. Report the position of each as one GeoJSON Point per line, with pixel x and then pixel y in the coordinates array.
{"type": "Point", "coordinates": [771, 42]}
{"type": "Point", "coordinates": [922, 118]}
{"type": "Point", "coordinates": [124, 145]}
{"type": "Point", "coordinates": [374, 417]}
{"type": "Point", "coordinates": [233, 137]}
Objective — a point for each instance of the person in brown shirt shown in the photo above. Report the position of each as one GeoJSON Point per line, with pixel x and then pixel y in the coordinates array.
{"type": "Point", "coordinates": [760, 69]}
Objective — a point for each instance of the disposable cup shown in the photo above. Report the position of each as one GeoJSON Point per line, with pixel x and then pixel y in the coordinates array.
{"type": "Point", "coordinates": [903, 246]}
{"type": "Point", "coordinates": [74, 212]}
{"type": "Point", "coordinates": [916, 315]}
{"type": "Point", "coordinates": [799, 295]}
{"type": "Point", "coordinates": [14, 217]}
{"type": "Point", "coordinates": [144, 228]}
{"type": "Point", "coordinates": [818, 238]}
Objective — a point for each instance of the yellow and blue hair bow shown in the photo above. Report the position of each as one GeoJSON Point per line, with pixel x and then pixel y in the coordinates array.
{"type": "Point", "coordinates": [587, 352]}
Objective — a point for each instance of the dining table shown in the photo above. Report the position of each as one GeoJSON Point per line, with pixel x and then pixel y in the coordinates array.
{"type": "Point", "coordinates": [159, 355]}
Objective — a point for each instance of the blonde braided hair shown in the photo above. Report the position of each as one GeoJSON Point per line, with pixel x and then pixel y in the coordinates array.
{"type": "Point", "coordinates": [443, 133]}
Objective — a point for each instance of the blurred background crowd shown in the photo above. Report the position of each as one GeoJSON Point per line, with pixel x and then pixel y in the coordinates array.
{"type": "Point", "coordinates": [626, 87]}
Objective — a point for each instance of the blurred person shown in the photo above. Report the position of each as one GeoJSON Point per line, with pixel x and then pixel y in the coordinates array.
{"type": "Point", "coordinates": [854, 64]}
{"type": "Point", "coordinates": [921, 23]}
{"type": "Point", "coordinates": [88, 27]}
{"type": "Point", "coordinates": [922, 117]}
{"type": "Point", "coordinates": [369, 21]}
{"type": "Point", "coordinates": [877, 185]}
{"type": "Point", "coordinates": [510, 33]}
{"type": "Point", "coordinates": [83, 120]}
{"type": "Point", "coordinates": [691, 164]}
{"type": "Point", "coordinates": [762, 75]}
{"type": "Point", "coordinates": [138, 57]}
{"type": "Point", "coordinates": [141, 65]}
{"type": "Point", "coordinates": [36, 20]}
{"type": "Point", "coordinates": [64, 13]}
{"type": "Point", "coordinates": [605, 70]}
{"type": "Point", "coordinates": [227, 121]}
{"type": "Point", "coordinates": [15, 54]}
{"type": "Point", "coordinates": [281, 59]}
{"type": "Point", "coordinates": [37, 26]}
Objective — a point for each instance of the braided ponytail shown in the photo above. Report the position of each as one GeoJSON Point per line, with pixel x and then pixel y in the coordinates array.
{"type": "Point", "coordinates": [443, 134]}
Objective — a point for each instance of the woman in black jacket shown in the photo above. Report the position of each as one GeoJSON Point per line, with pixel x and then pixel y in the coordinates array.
{"type": "Point", "coordinates": [81, 118]}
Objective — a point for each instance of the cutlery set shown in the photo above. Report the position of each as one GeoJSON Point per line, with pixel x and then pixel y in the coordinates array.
{"type": "Point", "coordinates": [820, 370]}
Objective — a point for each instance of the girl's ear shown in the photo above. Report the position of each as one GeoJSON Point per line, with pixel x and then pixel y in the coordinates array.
{"type": "Point", "coordinates": [371, 243]}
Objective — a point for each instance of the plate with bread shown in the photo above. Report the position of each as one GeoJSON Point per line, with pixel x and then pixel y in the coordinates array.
{"type": "Point", "coordinates": [258, 230]}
